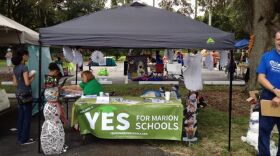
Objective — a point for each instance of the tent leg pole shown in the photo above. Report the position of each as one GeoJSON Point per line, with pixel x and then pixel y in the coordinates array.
{"type": "Point", "coordinates": [18, 38]}
{"type": "Point", "coordinates": [39, 97]}
{"type": "Point", "coordinates": [230, 98]}
{"type": "Point", "coordinates": [77, 66]}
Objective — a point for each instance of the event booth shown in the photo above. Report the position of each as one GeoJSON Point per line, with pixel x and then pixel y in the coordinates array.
{"type": "Point", "coordinates": [134, 26]}
{"type": "Point", "coordinates": [12, 33]}
{"type": "Point", "coordinates": [240, 44]}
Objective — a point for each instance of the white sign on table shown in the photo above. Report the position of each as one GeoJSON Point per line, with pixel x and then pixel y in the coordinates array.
{"type": "Point", "coordinates": [102, 99]}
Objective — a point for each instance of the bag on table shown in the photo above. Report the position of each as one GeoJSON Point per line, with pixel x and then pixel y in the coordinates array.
{"type": "Point", "coordinates": [25, 98]}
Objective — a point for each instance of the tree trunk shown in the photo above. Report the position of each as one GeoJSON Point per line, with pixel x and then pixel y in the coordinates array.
{"type": "Point", "coordinates": [265, 24]}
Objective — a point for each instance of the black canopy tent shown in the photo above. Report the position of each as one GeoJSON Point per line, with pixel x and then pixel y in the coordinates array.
{"type": "Point", "coordinates": [137, 26]}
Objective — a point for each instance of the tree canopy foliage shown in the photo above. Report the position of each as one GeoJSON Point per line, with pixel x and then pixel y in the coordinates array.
{"type": "Point", "coordinates": [241, 17]}
{"type": "Point", "coordinates": [42, 13]}
{"type": "Point", "coordinates": [228, 15]}
{"type": "Point", "coordinates": [183, 6]}
{"type": "Point", "coordinates": [115, 3]}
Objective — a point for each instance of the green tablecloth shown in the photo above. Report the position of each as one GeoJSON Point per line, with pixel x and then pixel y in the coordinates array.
{"type": "Point", "coordinates": [129, 121]}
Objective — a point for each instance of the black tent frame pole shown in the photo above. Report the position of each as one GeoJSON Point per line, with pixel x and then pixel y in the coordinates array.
{"type": "Point", "coordinates": [230, 98]}
{"type": "Point", "coordinates": [18, 38]}
{"type": "Point", "coordinates": [77, 66]}
{"type": "Point", "coordinates": [39, 97]}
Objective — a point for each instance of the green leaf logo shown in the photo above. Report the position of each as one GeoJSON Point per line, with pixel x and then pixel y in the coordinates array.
{"type": "Point", "coordinates": [210, 40]}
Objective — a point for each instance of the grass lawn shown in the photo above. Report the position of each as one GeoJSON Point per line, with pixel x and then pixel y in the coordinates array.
{"type": "Point", "coordinates": [212, 121]}
{"type": "Point", "coordinates": [3, 63]}
{"type": "Point", "coordinates": [213, 137]}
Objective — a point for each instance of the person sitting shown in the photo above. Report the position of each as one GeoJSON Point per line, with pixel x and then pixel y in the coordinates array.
{"type": "Point", "coordinates": [89, 85]}
{"type": "Point", "coordinates": [158, 58]}
{"type": "Point", "coordinates": [152, 65]}
{"type": "Point", "coordinates": [54, 70]}
{"type": "Point", "coordinates": [140, 69]}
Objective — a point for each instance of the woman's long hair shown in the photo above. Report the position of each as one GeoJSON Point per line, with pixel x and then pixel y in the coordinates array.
{"type": "Point", "coordinates": [17, 58]}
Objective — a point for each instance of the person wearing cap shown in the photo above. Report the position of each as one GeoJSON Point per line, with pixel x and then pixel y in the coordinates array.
{"type": "Point", "coordinates": [9, 56]}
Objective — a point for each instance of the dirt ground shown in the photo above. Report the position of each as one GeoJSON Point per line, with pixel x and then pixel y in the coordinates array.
{"type": "Point", "coordinates": [220, 99]}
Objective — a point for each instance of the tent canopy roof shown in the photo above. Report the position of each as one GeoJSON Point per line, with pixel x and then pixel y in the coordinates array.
{"type": "Point", "coordinates": [136, 26]}
{"type": "Point", "coordinates": [240, 44]}
{"type": "Point", "coordinates": [12, 32]}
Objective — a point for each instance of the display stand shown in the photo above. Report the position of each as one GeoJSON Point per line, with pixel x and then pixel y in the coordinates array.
{"type": "Point", "coordinates": [190, 120]}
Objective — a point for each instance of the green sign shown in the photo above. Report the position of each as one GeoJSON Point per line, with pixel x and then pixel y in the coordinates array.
{"type": "Point", "coordinates": [210, 40]}
{"type": "Point", "coordinates": [130, 121]}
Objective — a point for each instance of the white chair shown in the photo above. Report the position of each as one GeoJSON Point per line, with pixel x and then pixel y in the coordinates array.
{"type": "Point", "coordinates": [174, 70]}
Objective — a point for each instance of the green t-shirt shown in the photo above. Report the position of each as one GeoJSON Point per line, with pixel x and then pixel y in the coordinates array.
{"type": "Point", "coordinates": [93, 87]}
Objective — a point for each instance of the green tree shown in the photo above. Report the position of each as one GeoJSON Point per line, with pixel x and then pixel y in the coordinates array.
{"type": "Point", "coordinates": [255, 17]}
{"type": "Point", "coordinates": [115, 3]}
{"type": "Point", "coordinates": [31, 13]}
{"type": "Point", "coordinates": [265, 22]}
{"type": "Point", "coordinates": [42, 13]}
{"type": "Point", "coordinates": [240, 14]}
{"type": "Point", "coordinates": [77, 8]}
{"type": "Point", "coordinates": [184, 6]}
{"type": "Point", "coordinates": [18, 10]}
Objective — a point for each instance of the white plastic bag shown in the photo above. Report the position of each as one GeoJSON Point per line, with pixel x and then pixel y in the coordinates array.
{"type": "Point", "coordinates": [4, 100]}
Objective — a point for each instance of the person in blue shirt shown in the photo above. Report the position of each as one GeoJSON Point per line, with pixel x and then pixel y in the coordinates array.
{"type": "Point", "coordinates": [269, 77]}
{"type": "Point", "coordinates": [180, 57]}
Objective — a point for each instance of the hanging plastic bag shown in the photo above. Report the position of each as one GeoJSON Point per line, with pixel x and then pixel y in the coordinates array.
{"type": "Point", "coordinates": [4, 100]}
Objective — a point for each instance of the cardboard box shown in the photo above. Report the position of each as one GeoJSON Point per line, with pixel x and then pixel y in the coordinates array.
{"type": "Point", "coordinates": [268, 110]}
